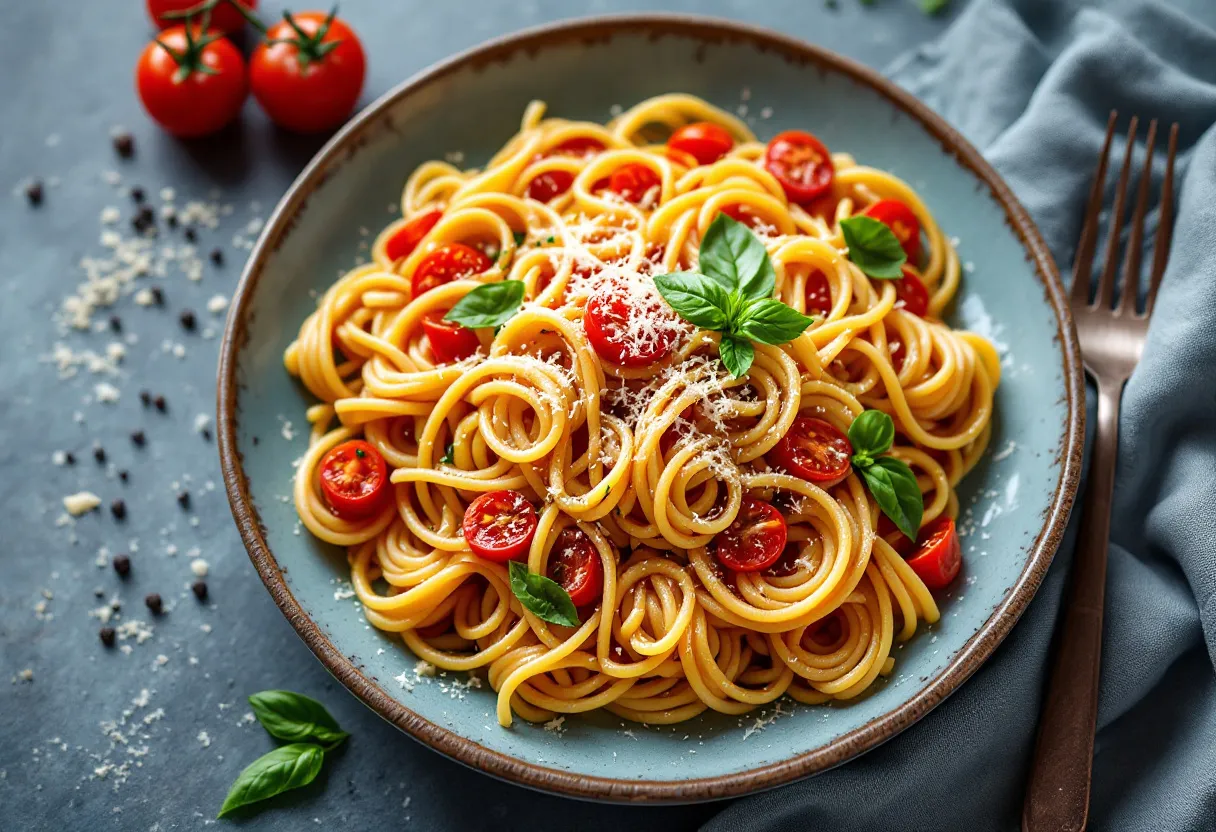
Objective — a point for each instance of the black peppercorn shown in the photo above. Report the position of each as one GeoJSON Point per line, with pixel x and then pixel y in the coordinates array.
{"type": "Point", "coordinates": [190, 235]}
{"type": "Point", "coordinates": [172, 220]}
{"type": "Point", "coordinates": [119, 509]}
{"type": "Point", "coordinates": [138, 438]}
{"type": "Point", "coordinates": [154, 603]}
{"type": "Point", "coordinates": [122, 565]}
{"type": "Point", "coordinates": [158, 296]}
{"type": "Point", "coordinates": [99, 454]}
{"type": "Point", "coordinates": [187, 320]}
{"type": "Point", "coordinates": [160, 403]}
{"type": "Point", "coordinates": [206, 432]}
{"type": "Point", "coordinates": [124, 145]}
{"type": "Point", "coordinates": [183, 499]}
{"type": "Point", "coordinates": [217, 257]}
{"type": "Point", "coordinates": [33, 192]}
{"type": "Point", "coordinates": [116, 323]}
{"type": "Point", "coordinates": [69, 458]}
{"type": "Point", "coordinates": [107, 636]}
{"type": "Point", "coordinates": [137, 194]}
{"type": "Point", "coordinates": [145, 398]}
{"type": "Point", "coordinates": [122, 475]}
{"type": "Point", "coordinates": [199, 588]}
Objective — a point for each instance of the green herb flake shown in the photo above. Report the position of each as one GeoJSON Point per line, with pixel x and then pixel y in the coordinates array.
{"type": "Point", "coordinates": [873, 247]}
{"type": "Point", "coordinates": [448, 457]}
{"type": "Point", "coordinates": [520, 236]}
{"type": "Point", "coordinates": [489, 305]}
{"type": "Point", "coordinates": [359, 452]}
{"type": "Point", "coordinates": [541, 596]}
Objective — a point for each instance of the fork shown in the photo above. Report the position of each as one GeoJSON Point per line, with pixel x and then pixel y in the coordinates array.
{"type": "Point", "coordinates": [1112, 337]}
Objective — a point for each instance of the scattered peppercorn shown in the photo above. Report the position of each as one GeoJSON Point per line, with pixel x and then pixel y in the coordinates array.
{"type": "Point", "coordinates": [33, 192]}
{"type": "Point", "coordinates": [183, 499]}
{"type": "Point", "coordinates": [160, 403]}
{"type": "Point", "coordinates": [99, 454]}
{"type": "Point", "coordinates": [158, 296]}
{"type": "Point", "coordinates": [116, 323]}
{"type": "Point", "coordinates": [144, 219]}
{"type": "Point", "coordinates": [107, 636]}
{"type": "Point", "coordinates": [154, 603]}
{"type": "Point", "coordinates": [172, 220]}
{"type": "Point", "coordinates": [145, 398]}
{"type": "Point", "coordinates": [137, 194]}
{"type": "Point", "coordinates": [199, 588]}
{"type": "Point", "coordinates": [138, 438]}
{"type": "Point", "coordinates": [122, 475]}
{"type": "Point", "coordinates": [124, 145]}
{"type": "Point", "coordinates": [206, 432]}
{"type": "Point", "coordinates": [187, 319]}
{"type": "Point", "coordinates": [119, 509]}
{"type": "Point", "coordinates": [217, 257]}
{"type": "Point", "coordinates": [122, 565]}
{"type": "Point", "coordinates": [69, 458]}
{"type": "Point", "coordinates": [191, 236]}
{"type": "Point", "coordinates": [98, 592]}
{"type": "Point", "coordinates": [256, 440]}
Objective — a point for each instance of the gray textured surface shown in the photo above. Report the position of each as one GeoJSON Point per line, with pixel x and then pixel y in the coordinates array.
{"type": "Point", "coordinates": [68, 83]}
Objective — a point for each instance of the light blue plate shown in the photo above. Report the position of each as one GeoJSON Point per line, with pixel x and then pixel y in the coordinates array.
{"type": "Point", "coordinates": [1018, 497]}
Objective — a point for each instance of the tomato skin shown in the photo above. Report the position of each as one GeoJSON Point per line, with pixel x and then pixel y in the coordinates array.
{"type": "Point", "coordinates": [449, 342]}
{"type": "Point", "coordinates": [703, 140]}
{"type": "Point", "coordinates": [801, 163]}
{"type": "Point", "coordinates": [818, 293]}
{"type": "Point", "coordinates": [317, 96]}
{"type": "Point", "coordinates": [913, 293]}
{"type": "Point", "coordinates": [223, 17]}
{"type": "Point", "coordinates": [939, 557]}
{"type": "Point", "coordinates": [575, 564]}
{"type": "Point", "coordinates": [755, 540]}
{"type": "Point", "coordinates": [499, 526]}
{"type": "Point", "coordinates": [578, 146]}
{"type": "Point", "coordinates": [605, 321]}
{"type": "Point", "coordinates": [813, 450]}
{"type": "Point", "coordinates": [898, 217]}
{"type": "Point", "coordinates": [550, 184]}
{"type": "Point", "coordinates": [407, 238]}
{"type": "Point", "coordinates": [740, 213]}
{"type": "Point", "coordinates": [354, 479]}
{"type": "Point", "coordinates": [633, 181]}
{"type": "Point", "coordinates": [449, 262]}
{"type": "Point", "coordinates": [202, 103]}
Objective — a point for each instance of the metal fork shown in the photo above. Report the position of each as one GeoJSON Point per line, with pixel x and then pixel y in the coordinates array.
{"type": "Point", "coordinates": [1057, 796]}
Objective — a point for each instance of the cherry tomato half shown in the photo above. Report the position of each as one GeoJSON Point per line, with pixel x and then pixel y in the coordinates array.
{"type": "Point", "coordinates": [550, 184]}
{"type": "Point", "coordinates": [741, 213]}
{"type": "Point", "coordinates": [203, 101]}
{"type": "Point", "coordinates": [305, 83]}
{"type": "Point", "coordinates": [578, 146]}
{"type": "Point", "coordinates": [633, 181]}
{"type": "Point", "coordinates": [939, 557]}
{"type": "Point", "coordinates": [801, 163]}
{"type": "Point", "coordinates": [449, 342]}
{"type": "Point", "coordinates": [898, 217]}
{"type": "Point", "coordinates": [755, 540]}
{"type": "Point", "coordinates": [813, 450]}
{"type": "Point", "coordinates": [631, 340]}
{"type": "Point", "coordinates": [224, 15]}
{"type": "Point", "coordinates": [449, 262]}
{"type": "Point", "coordinates": [818, 294]}
{"type": "Point", "coordinates": [407, 237]}
{"type": "Point", "coordinates": [913, 293]}
{"type": "Point", "coordinates": [575, 564]}
{"type": "Point", "coordinates": [703, 140]}
{"type": "Point", "coordinates": [499, 526]}
{"type": "Point", "coordinates": [354, 479]}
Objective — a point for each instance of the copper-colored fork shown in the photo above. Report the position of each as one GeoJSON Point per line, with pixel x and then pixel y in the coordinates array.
{"type": "Point", "coordinates": [1112, 336]}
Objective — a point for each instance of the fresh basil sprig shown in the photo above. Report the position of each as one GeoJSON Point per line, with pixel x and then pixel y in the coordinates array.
{"type": "Point", "coordinates": [541, 596]}
{"type": "Point", "coordinates": [732, 294]}
{"type": "Point", "coordinates": [295, 717]}
{"type": "Point", "coordinates": [873, 247]}
{"type": "Point", "coordinates": [890, 480]}
{"type": "Point", "coordinates": [490, 304]}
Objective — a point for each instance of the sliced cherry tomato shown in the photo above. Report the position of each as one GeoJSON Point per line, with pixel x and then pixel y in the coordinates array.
{"type": "Point", "coordinates": [625, 336]}
{"type": "Point", "coordinates": [354, 479]}
{"type": "Point", "coordinates": [575, 564]}
{"type": "Point", "coordinates": [197, 88]}
{"type": "Point", "coordinates": [578, 146]}
{"type": "Point", "coordinates": [818, 293]}
{"type": "Point", "coordinates": [633, 181]}
{"type": "Point", "coordinates": [755, 540]}
{"type": "Point", "coordinates": [550, 184]}
{"type": "Point", "coordinates": [308, 80]}
{"type": "Point", "coordinates": [913, 293]}
{"type": "Point", "coordinates": [740, 213]}
{"type": "Point", "coordinates": [898, 217]}
{"type": "Point", "coordinates": [224, 15]}
{"type": "Point", "coordinates": [801, 163]}
{"type": "Point", "coordinates": [449, 262]}
{"type": "Point", "coordinates": [499, 526]}
{"type": "Point", "coordinates": [939, 557]}
{"type": "Point", "coordinates": [703, 140]}
{"type": "Point", "coordinates": [407, 237]}
{"type": "Point", "coordinates": [813, 450]}
{"type": "Point", "coordinates": [449, 342]}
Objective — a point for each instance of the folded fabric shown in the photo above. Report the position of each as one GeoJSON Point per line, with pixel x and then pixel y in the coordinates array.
{"type": "Point", "coordinates": [1031, 83]}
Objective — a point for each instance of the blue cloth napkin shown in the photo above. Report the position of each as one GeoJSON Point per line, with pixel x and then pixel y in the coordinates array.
{"type": "Point", "coordinates": [1031, 82]}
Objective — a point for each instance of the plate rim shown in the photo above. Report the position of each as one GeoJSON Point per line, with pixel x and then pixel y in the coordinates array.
{"type": "Point", "coordinates": [974, 652]}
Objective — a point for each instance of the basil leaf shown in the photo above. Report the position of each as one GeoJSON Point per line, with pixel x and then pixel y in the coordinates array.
{"type": "Point", "coordinates": [895, 490]}
{"type": "Point", "coordinates": [542, 597]}
{"type": "Point", "coordinates": [490, 304]}
{"type": "Point", "coordinates": [934, 7]}
{"type": "Point", "coordinates": [294, 717]}
{"type": "Point", "coordinates": [287, 767]}
{"type": "Point", "coordinates": [770, 321]}
{"type": "Point", "coordinates": [872, 433]}
{"type": "Point", "coordinates": [448, 457]}
{"type": "Point", "coordinates": [520, 236]}
{"type": "Point", "coordinates": [695, 298]}
{"type": "Point", "coordinates": [873, 247]}
{"type": "Point", "coordinates": [736, 353]}
{"type": "Point", "coordinates": [734, 257]}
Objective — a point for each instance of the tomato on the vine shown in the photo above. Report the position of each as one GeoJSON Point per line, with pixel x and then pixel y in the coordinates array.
{"type": "Point", "coordinates": [191, 82]}
{"type": "Point", "coordinates": [224, 15]}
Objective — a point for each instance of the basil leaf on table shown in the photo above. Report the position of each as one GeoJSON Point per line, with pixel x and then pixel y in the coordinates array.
{"type": "Point", "coordinates": [491, 304]}
{"type": "Point", "coordinates": [731, 255]}
{"type": "Point", "coordinates": [873, 247]}
{"type": "Point", "coordinates": [894, 487]}
{"type": "Point", "coordinates": [770, 321]}
{"type": "Point", "coordinates": [696, 298]}
{"type": "Point", "coordinates": [872, 433]}
{"type": "Point", "coordinates": [542, 597]}
{"type": "Point", "coordinates": [295, 717]}
{"type": "Point", "coordinates": [287, 767]}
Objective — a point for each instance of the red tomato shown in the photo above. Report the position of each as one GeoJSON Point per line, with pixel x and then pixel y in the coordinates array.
{"type": "Point", "coordinates": [818, 293]}
{"type": "Point", "coordinates": [620, 340]}
{"type": "Point", "coordinates": [575, 564]}
{"type": "Point", "coordinates": [354, 479]}
{"type": "Point", "coordinates": [801, 163]}
{"type": "Point", "coordinates": [179, 96]}
{"type": "Point", "coordinates": [447, 263]}
{"type": "Point", "coordinates": [633, 181]}
{"type": "Point", "coordinates": [939, 558]}
{"type": "Point", "coordinates": [913, 293]}
{"type": "Point", "coordinates": [303, 82]}
{"type": "Point", "coordinates": [898, 217]}
{"type": "Point", "coordinates": [755, 540]}
{"type": "Point", "coordinates": [549, 184]}
{"type": "Point", "coordinates": [449, 342]}
{"type": "Point", "coordinates": [499, 526]}
{"type": "Point", "coordinates": [703, 140]}
{"type": "Point", "coordinates": [740, 213]}
{"type": "Point", "coordinates": [407, 237]}
{"type": "Point", "coordinates": [224, 15]}
{"type": "Point", "coordinates": [578, 146]}
{"type": "Point", "coordinates": [813, 450]}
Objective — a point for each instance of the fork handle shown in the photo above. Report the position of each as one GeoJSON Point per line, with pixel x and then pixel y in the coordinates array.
{"type": "Point", "coordinates": [1057, 796]}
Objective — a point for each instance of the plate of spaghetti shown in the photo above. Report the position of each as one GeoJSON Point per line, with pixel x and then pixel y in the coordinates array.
{"type": "Point", "coordinates": [680, 431]}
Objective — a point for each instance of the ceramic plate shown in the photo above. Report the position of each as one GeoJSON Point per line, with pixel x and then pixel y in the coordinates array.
{"type": "Point", "coordinates": [1018, 497]}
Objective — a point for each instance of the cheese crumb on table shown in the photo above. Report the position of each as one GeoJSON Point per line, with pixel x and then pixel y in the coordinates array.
{"type": "Point", "coordinates": [81, 503]}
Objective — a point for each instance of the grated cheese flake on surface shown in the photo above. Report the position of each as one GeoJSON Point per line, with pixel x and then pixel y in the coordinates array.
{"type": "Point", "coordinates": [81, 502]}
{"type": "Point", "coordinates": [106, 393]}
{"type": "Point", "coordinates": [199, 567]}
{"type": "Point", "coordinates": [217, 304]}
